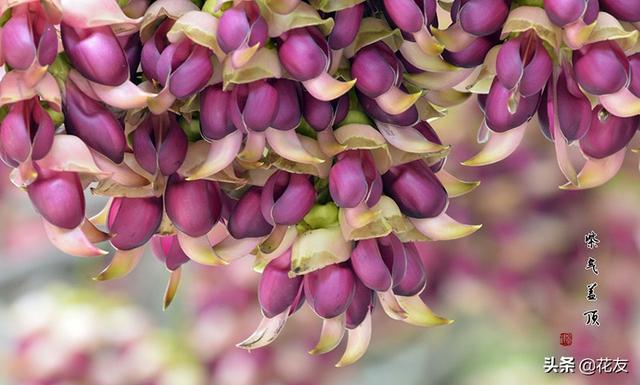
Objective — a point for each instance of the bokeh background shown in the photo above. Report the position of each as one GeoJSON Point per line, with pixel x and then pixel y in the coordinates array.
{"type": "Point", "coordinates": [512, 288]}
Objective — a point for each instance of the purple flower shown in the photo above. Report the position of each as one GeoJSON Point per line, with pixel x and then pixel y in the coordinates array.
{"type": "Point", "coordinates": [277, 291]}
{"type": "Point", "coordinates": [167, 249]}
{"type": "Point", "coordinates": [480, 17]}
{"type": "Point", "coordinates": [194, 207]}
{"type": "Point", "coordinates": [96, 53]}
{"type": "Point", "coordinates": [416, 190]}
{"type": "Point", "coordinates": [320, 114]}
{"type": "Point", "coordinates": [93, 123]}
{"type": "Point", "coordinates": [625, 10]}
{"type": "Point", "coordinates": [501, 113]}
{"type": "Point", "coordinates": [215, 119]}
{"type": "Point", "coordinates": [304, 53]}
{"type": "Point", "coordinates": [26, 132]}
{"type": "Point", "coordinates": [330, 290]}
{"type": "Point", "coordinates": [608, 133]}
{"type": "Point", "coordinates": [246, 219]}
{"type": "Point", "coordinates": [242, 26]}
{"type": "Point", "coordinates": [58, 197]}
{"type": "Point", "coordinates": [133, 221]}
{"type": "Point", "coordinates": [524, 64]}
{"type": "Point", "coordinates": [159, 144]}
{"type": "Point", "coordinates": [601, 68]}
{"type": "Point", "coordinates": [254, 105]}
{"type": "Point", "coordinates": [565, 12]}
{"type": "Point", "coordinates": [353, 179]}
{"type": "Point", "coordinates": [28, 36]}
{"type": "Point", "coordinates": [286, 198]}
{"type": "Point", "coordinates": [347, 25]}
{"type": "Point", "coordinates": [183, 66]}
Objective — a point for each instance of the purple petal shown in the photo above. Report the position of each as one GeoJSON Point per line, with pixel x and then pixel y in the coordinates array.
{"type": "Point", "coordinates": [472, 55]}
{"type": "Point", "coordinates": [608, 133]}
{"type": "Point", "coordinates": [626, 10]}
{"type": "Point", "coordinates": [509, 65]}
{"type": "Point", "coordinates": [347, 26]}
{"type": "Point", "coordinates": [58, 197]}
{"type": "Point", "coordinates": [44, 132]}
{"type": "Point", "coordinates": [48, 45]}
{"type": "Point", "coordinates": [287, 198]}
{"type": "Point", "coordinates": [192, 75]}
{"type": "Point", "coordinates": [288, 112]}
{"type": "Point", "coordinates": [601, 68]}
{"type": "Point", "coordinates": [96, 54]}
{"type": "Point", "coordinates": [416, 190]}
{"type": "Point", "coordinates": [415, 277]}
{"type": "Point", "coordinates": [261, 105]}
{"type": "Point", "coordinates": [277, 291]}
{"type": "Point", "coordinates": [360, 305]}
{"type": "Point", "coordinates": [14, 133]}
{"type": "Point", "coordinates": [405, 14]}
{"type": "Point", "coordinates": [318, 113]}
{"type": "Point", "coordinates": [330, 290]}
{"type": "Point", "coordinates": [93, 123]}
{"type": "Point", "coordinates": [18, 47]}
{"type": "Point", "coordinates": [483, 17]}
{"type": "Point", "coordinates": [301, 56]}
{"type": "Point", "coordinates": [246, 220]}
{"type": "Point", "coordinates": [407, 118]}
{"type": "Point", "coordinates": [194, 207]}
{"type": "Point", "coordinates": [498, 116]}
{"type": "Point", "coordinates": [574, 111]}
{"type": "Point", "coordinates": [233, 28]}
{"type": "Point", "coordinates": [374, 72]}
{"type": "Point", "coordinates": [347, 183]}
{"type": "Point", "coordinates": [563, 12]}
{"type": "Point", "coordinates": [368, 265]}
{"type": "Point", "coordinates": [133, 221]}
{"type": "Point", "coordinates": [173, 149]}
{"type": "Point", "coordinates": [215, 122]}
{"type": "Point", "coordinates": [144, 148]}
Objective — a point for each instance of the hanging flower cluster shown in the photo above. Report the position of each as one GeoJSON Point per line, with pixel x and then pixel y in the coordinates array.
{"type": "Point", "coordinates": [294, 132]}
{"type": "Point", "coordinates": [573, 63]}
{"type": "Point", "coordinates": [297, 132]}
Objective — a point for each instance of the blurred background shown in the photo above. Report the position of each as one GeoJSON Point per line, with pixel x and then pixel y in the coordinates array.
{"type": "Point", "coordinates": [512, 288]}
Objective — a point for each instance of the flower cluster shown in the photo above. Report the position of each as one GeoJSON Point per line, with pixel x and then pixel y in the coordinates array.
{"type": "Point", "coordinates": [295, 132]}
{"type": "Point", "coordinates": [573, 63]}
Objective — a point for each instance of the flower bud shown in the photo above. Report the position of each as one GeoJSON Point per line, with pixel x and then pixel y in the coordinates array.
{"type": "Point", "coordinates": [353, 179]}
{"type": "Point", "coordinates": [330, 290]}
{"type": "Point", "coordinates": [564, 12]}
{"type": "Point", "coordinates": [183, 66]}
{"type": "Point", "coordinates": [26, 131]}
{"type": "Point", "coordinates": [303, 53]}
{"type": "Point", "coordinates": [394, 256]}
{"type": "Point", "coordinates": [347, 25]}
{"type": "Point", "coordinates": [574, 109]}
{"type": "Point", "coordinates": [608, 133]}
{"type": "Point", "coordinates": [369, 267]}
{"type": "Point", "coordinates": [254, 105]}
{"type": "Point", "coordinates": [501, 114]}
{"type": "Point", "coordinates": [360, 305]}
{"type": "Point", "coordinates": [601, 68]}
{"type": "Point", "coordinates": [524, 64]}
{"type": "Point", "coordinates": [133, 221]}
{"type": "Point", "coordinates": [634, 74]}
{"type": "Point", "coordinates": [242, 24]}
{"type": "Point", "coordinates": [405, 14]}
{"type": "Point", "coordinates": [96, 54]}
{"type": "Point", "coordinates": [404, 119]}
{"type": "Point", "coordinates": [431, 135]}
{"type": "Point", "coordinates": [472, 55]}
{"type": "Point", "coordinates": [168, 251]}
{"type": "Point", "coordinates": [286, 198]}
{"type": "Point", "coordinates": [288, 113]}
{"type": "Point", "coordinates": [28, 35]}
{"type": "Point", "coordinates": [416, 190]}
{"type": "Point", "coordinates": [276, 291]}
{"type": "Point", "coordinates": [246, 219]}
{"type": "Point", "coordinates": [159, 144]}
{"type": "Point", "coordinates": [415, 277]}
{"type": "Point", "coordinates": [58, 197]}
{"type": "Point", "coordinates": [194, 207]}
{"type": "Point", "coordinates": [482, 17]}
{"type": "Point", "coordinates": [93, 123]}
{"type": "Point", "coordinates": [625, 10]}
{"type": "Point", "coordinates": [376, 68]}
{"type": "Point", "coordinates": [320, 114]}
{"type": "Point", "coordinates": [215, 120]}
{"type": "Point", "coordinates": [132, 47]}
